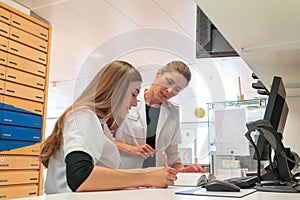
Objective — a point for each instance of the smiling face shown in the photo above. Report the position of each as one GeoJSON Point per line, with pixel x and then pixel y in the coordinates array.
{"type": "Point", "coordinates": [167, 85]}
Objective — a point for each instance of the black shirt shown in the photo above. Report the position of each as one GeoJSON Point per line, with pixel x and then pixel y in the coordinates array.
{"type": "Point", "coordinates": [152, 115]}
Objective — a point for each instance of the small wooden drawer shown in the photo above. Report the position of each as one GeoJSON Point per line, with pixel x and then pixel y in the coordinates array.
{"type": "Point", "coordinates": [2, 71]}
{"type": "Point", "coordinates": [25, 78]}
{"type": "Point", "coordinates": [29, 26]}
{"type": "Point", "coordinates": [18, 191]}
{"type": "Point", "coordinates": [28, 39]}
{"type": "Point", "coordinates": [3, 58]}
{"type": "Point", "coordinates": [18, 177]}
{"type": "Point", "coordinates": [21, 105]}
{"type": "Point", "coordinates": [4, 15]}
{"type": "Point", "coordinates": [3, 43]}
{"type": "Point", "coordinates": [4, 29]}
{"type": "Point", "coordinates": [22, 91]}
{"type": "Point", "coordinates": [10, 146]}
{"type": "Point", "coordinates": [18, 162]}
{"type": "Point", "coordinates": [27, 149]}
{"type": "Point", "coordinates": [27, 52]}
{"type": "Point", "coordinates": [25, 65]}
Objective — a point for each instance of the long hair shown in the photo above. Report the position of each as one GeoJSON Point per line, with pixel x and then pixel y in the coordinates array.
{"type": "Point", "coordinates": [104, 94]}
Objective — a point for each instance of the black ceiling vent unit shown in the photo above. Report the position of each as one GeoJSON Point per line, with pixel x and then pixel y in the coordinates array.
{"type": "Point", "coordinates": [210, 42]}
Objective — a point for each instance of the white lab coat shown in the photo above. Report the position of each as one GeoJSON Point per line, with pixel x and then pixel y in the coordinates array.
{"type": "Point", "coordinates": [83, 131]}
{"type": "Point", "coordinates": [133, 131]}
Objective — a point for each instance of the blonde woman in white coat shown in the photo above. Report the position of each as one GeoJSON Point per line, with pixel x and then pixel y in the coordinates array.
{"type": "Point", "coordinates": [152, 128]}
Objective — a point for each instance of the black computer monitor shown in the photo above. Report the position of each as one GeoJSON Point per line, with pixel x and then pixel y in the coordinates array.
{"type": "Point", "coordinates": [276, 113]}
{"type": "Point", "coordinates": [270, 137]}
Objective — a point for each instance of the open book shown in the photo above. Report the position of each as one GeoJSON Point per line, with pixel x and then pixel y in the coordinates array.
{"type": "Point", "coordinates": [192, 179]}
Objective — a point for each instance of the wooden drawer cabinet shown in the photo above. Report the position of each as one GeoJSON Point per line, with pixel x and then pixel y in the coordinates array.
{"type": "Point", "coordinates": [25, 65]}
{"type": "Point", "coordinates": [25, 78]}
{"type": "Point", "coordinates": [27, 52]}
{"type": "Point", "coordinates": [24, 54]}
{"type": "Point", "coordinates": [18, 177]}
{"type": "Point", "coordinates": [28, 39]}
{"type": "Point", "coordinates": [29, 26]}
{"type": "Point", "coordinates": [4, 29]}
{"type": "Point", "coordinates": [25, 92]}
{"type": "Point", "coordinates": [18, 191]}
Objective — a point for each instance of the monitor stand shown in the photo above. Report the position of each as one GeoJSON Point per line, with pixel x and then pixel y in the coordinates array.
{"type": "Point", "coordinates": [278, 186]}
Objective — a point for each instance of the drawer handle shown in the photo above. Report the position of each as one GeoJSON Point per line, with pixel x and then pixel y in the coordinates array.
{"type": "Point", "coordinates": [18, 23]}
{"type": "Point", "coordinates": [3, 197]}
{"type": "Point", "coordinates": [43, 34]}
{"type": "Point", "coordinates": [8, 120]}
{"type": "Point", "coordinates": [1, 74]}
{"type": "Point", "coordinates": [3, 181]}
{"type": "Point", "coordinates": [35, 151]}
{"type": "Point", "coordinates": [4, 17]}
{"type": "Point", "coordinates": [3, 45]}
{"type": "Point", "coordinates": [33, 179]}
{"type": "Point", "coordinates": [4, 165]}
{"type": "Point", "coordinates": [15, 35]}
{"type": "Point", "coordinates": [36, 137]}
{"type": "Point", "coordinates": [10, 76]}
{"type": "Point", "coordinates": [12, 91]}
{"type": "Point", "coordinates": [4, 31]}
{"type": "Point", "coordinates": [14, 63]}
{"type": "Point", "coordinates": [43, 47]}
{"type": "Point", "coordinates": [32, 193]}
{"type": "Point", "coordinates": [40, 71]}
{"type": "Point", "coordinates": [42, 59]}
{"type": "Point", "coordinates": [38, 97]}
{"type": "Point", "coordinates": [2, 59]}
{"type": "Point", "coordinates": [7, 134]}
{"type": "Point", "coordinates": [33, 165]}
{"type": "Point", "coordinates": [40, 84]}
{"type": "Point", "coordinates": [14, 49]}
{"type": "Point", "coordinates": [37, 110]}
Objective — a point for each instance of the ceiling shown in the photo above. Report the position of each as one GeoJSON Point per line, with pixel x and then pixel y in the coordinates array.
{"type": "Point", "coordinates": [266, 34]}
{"type": "Point", "coordinates": [80, 27]}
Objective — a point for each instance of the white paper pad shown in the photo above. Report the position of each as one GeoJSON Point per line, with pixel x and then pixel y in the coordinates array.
{"type": "Point", "coordinates": [202, 192]}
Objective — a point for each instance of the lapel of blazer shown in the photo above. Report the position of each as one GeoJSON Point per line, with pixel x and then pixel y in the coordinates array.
{"type": "Point", "coordinates": [163, 117]}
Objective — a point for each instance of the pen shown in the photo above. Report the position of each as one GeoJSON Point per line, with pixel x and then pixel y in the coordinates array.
{"type": "Point", "coordinates": [164, 158]}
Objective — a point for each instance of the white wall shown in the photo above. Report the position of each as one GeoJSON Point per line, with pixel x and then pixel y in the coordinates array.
{"type": "Point", "coordinates": [292, 129]}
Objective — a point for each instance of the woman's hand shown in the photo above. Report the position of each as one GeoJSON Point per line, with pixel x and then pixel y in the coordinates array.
{"type": "Point", "coordinates": [143, 150]}
{"type": "Point", "coordinates": [192, 168]}
{"type": "Point", "coordinates": [161, 178]}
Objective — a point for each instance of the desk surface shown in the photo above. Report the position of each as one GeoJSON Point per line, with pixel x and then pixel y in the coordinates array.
{"type": "Point", "coordinates": [157, 194]}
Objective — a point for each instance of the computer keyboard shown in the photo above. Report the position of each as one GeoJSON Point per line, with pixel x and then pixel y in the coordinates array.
{"type": "Point", "coordinates": [282, 187]}
{"type": "Point", "coordinates": [243, 182]}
